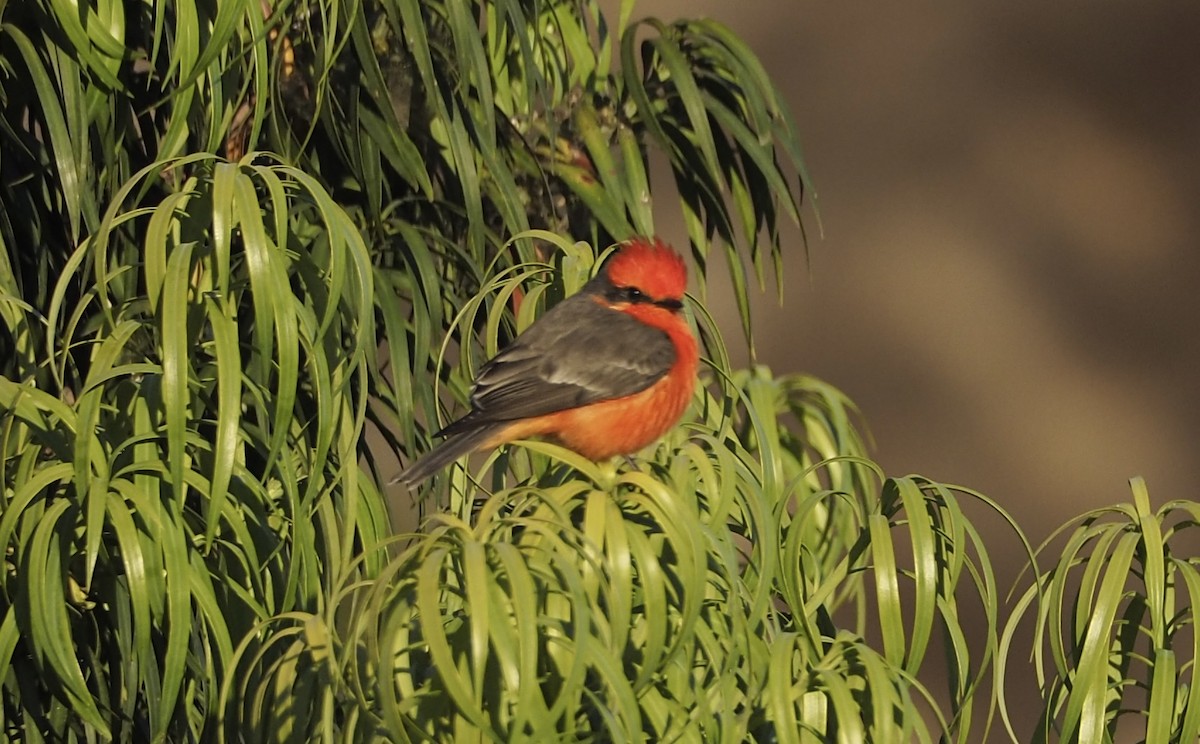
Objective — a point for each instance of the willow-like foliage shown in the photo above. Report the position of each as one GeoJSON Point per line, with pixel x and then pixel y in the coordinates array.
{"type": "Point", "coordinates": [1115, 641]}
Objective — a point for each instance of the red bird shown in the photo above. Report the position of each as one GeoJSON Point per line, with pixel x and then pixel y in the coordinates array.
{"type": "Point", "coordinates": [605, 372]}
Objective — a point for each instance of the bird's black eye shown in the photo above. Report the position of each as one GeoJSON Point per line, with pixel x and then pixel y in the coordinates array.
{"type": "Point", "coordinates": [629, 295]}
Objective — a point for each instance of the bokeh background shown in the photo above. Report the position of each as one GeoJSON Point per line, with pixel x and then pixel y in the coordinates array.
{"type": "Point", "coordinates": [1008, 281]}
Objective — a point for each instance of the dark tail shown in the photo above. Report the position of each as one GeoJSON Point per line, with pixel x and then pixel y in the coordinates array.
{"type": "Point", "coordinates": [445, 453]}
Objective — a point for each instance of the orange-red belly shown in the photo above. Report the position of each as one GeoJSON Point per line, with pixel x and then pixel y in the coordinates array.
{"type": "Point", "coordinates": [620, 426]}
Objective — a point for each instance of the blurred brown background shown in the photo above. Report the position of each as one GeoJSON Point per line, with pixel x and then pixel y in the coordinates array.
{"type": "Point", "coordinates": [1007, 284]}
{"type": "Point", "coordinates": [1008, 280]}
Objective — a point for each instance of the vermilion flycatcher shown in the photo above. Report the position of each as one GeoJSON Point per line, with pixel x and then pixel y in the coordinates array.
{"type": "Point", "coordinates": [605, 372]}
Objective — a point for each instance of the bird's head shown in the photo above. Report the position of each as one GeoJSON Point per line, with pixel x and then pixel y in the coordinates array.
{"type": "Point", "coordinates": [648, 270]}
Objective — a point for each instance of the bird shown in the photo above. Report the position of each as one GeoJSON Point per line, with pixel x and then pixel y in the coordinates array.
{"type": "Point", "coordinates": [605, 372]}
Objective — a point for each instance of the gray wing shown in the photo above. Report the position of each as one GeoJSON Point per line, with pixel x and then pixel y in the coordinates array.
{"type": "Point", "coordinates": [578, 353]}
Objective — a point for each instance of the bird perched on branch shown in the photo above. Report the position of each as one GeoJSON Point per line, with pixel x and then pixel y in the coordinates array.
{"type": "Point", "coordinates": [605, 372]}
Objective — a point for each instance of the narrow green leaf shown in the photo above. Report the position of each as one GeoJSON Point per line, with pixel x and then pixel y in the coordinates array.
{"type": "Point", "coordinates": [228, 413]}
{"type": "Point", "coordinates": [430, 604]}
{"type": "Point", "coordinates": [1154, 563]}
{"type": "Point", "coordinates": [637, 190]}
{"type": "Point", "coordinates": [50, 626]}
{"type": "Point", "coordinates": [1088, 698]}
{"type": "Point", "coordinates": [135, 572]}
{"type": "Point", "coordinates": [927, 552]}
{"type": "Point", "coordinates": [680, 75]}
{"type": "Point", "coordinates": [887, 589]}
{"type": "Point", "coordinates": [1160, 719]}
{"type": "Point", "coordinates": [69, 181]}
{"type": "Point", "coordinates": [168, 533]}
{"type": "Point", "coordinates": [1189, 727]}
{"type": "Point", "coordinates": [175, 358]}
